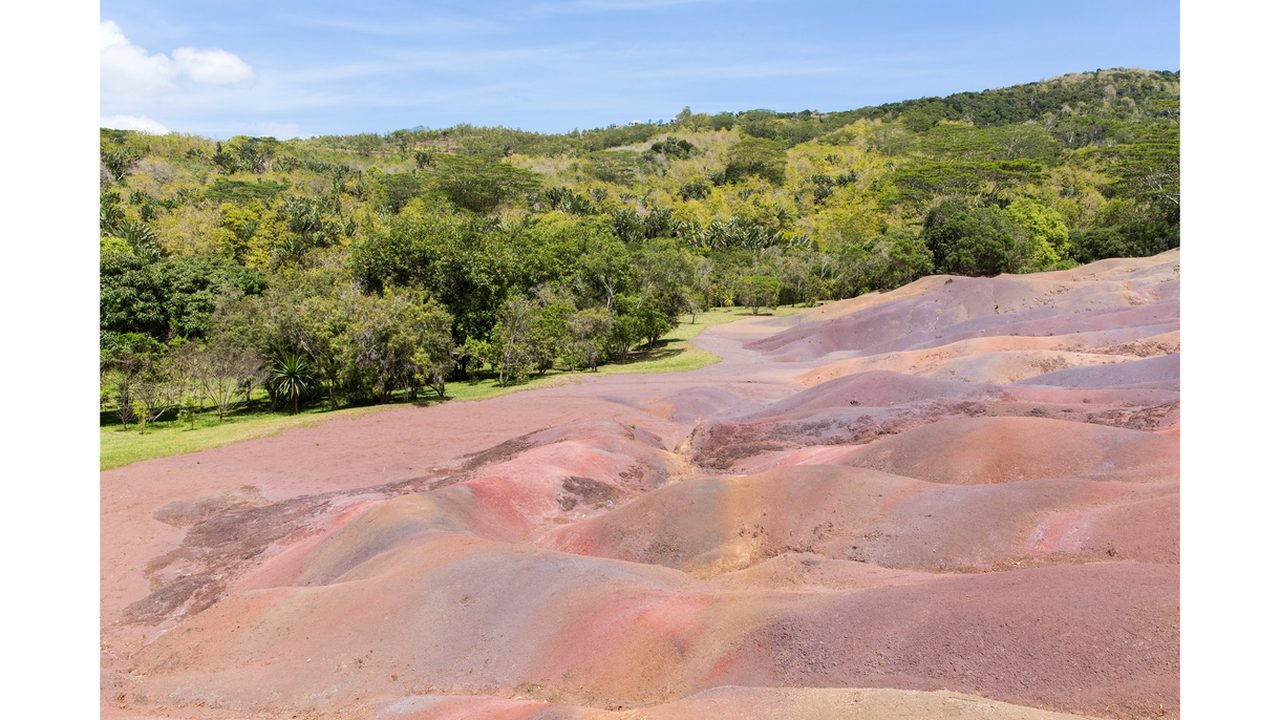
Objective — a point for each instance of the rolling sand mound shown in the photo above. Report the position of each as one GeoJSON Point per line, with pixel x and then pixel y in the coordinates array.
{"type": "Point", "coordinates": [956, 499]}
{"type": "Point", "coordinates": [975, 634]}
{"type": "Point", "coordinates": [1156, 372]}
{"type": "Point", "coordinates": [873, 388]}
{"type": "Point", "coordinates": [1010, 449]}
{"type": "Point", "coordinates": [716, 525]}
{"type": "Point", "coordinates": [948, 309]}
{"type": "Point", "coordinates": [605, 632]}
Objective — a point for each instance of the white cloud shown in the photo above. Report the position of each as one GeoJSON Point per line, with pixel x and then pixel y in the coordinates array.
{"type": "Point", "coordinates": [132, 75]}
{"type": "Point", "coordinates": [128, 71]}
{"type": "Point", "coordinates": [134, 122]}
{"type": "Point", "coordinates": [212, 67]}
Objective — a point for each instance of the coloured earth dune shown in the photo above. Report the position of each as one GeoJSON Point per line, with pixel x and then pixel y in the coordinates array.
{"type": "Point", "coordinates": [957, 499]}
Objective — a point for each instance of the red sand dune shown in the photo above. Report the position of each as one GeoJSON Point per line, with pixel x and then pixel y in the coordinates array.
{"type": "Point", "coordinates": [956, 499]}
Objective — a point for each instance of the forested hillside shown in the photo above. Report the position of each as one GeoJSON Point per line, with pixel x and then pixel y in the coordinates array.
{"type": "Point", "coordinates": [356, 269]}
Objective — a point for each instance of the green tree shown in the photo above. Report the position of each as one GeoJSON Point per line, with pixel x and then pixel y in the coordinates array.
{"type": "Point", "coordinates": [127, 361]}
{"type": "Point", "coordinates": [247, 154]}
{"type": "Point", "coordinates": [589, 332]}
{"type": "Point", "coordinates": [512, 340]}
{"type": "Point", "coordinates": [251, 234]}
{"type": "Point", "coordinates": [797, 274]}
{"type": "Point", "coordinates": [550, 335]}
{"type": "Point", "coordinates": [469, 264]}
{"type": "Point", "coordinates": [1149, 169]}
{"type": "Point", "coordinates": [700, 293]}
{"type": "Point", "coordinates": [392, 191]}
{"type": "Point", "coordinates": [481, 184]}
{"type": "Point", "coordinates": [756, 291]}
{"type": "Point", "coordinates": [919, 183]}
{"type": "Point", "coordinates": [164, 384]}
{"type": "Point", "coordinates": [756, 156]}
{"type": "Point", "coordinates": [1041, 236]}
{"type": "Point", "coordinates": [224, 372]}
{"type": "Point", "coordinates": [625, 329]}
{"type": "Point", "coordinates": [401, 340]}
{"type": "Point", "coordinates": [192, 286]}
{"type": "Point", "coordinates": [471, 356]}
{"type": "Point", "coordinates": [131, 296]}
{"type": "Point", "coordinates": [883, 262]}
{"type": "Point", "coordinates": [664, 276]}
{"type": "Point", "coordinates": [604, 272]}
{"type": "Point", "coordinates": [652, 321]}
{"type": "Point", "coordinates": [970, 241]}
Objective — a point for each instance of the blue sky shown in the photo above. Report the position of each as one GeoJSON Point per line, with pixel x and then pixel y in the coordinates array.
{"type": "Point", "coordinates": [285, 68]}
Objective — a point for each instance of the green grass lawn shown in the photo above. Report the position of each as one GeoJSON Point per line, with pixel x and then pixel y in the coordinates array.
{"type": "Point", "coordinates": [673, 353]}
{"type": "Point", "coordinates": [170, 437]}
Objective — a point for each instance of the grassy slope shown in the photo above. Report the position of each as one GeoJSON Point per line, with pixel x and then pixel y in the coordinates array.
{"type": "Point", "coordinates": [119, 447]}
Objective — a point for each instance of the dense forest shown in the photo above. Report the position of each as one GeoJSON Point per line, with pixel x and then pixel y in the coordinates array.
{"type": "Point", "coordinates": [365, 268]}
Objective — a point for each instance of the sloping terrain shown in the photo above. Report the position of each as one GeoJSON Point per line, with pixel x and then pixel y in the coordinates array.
{"type": "Point", "coordinates": [956, 499]}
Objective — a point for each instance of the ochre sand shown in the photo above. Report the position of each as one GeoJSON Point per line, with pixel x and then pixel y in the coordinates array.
{"type": "Point", "coordinates": [956, 499]}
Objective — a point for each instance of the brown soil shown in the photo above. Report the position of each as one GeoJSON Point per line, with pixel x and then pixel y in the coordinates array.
{"type": "Point", "coordinates": [956, 499]}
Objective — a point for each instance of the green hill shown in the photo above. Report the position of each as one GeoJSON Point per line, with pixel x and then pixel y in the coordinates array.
{"type": "Point", "coordinates": [362, 268]}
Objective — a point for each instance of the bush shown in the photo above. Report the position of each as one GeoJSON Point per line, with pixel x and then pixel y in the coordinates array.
{"type": "Point", "coordinates": [695, 190]}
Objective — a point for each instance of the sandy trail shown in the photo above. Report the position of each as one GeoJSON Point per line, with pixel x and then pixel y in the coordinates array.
{"type": "Point", "coordinates": [959, 498]}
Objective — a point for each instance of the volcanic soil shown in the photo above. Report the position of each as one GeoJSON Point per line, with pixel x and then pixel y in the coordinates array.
{"type": "Point", "coordinates": [956, 499]}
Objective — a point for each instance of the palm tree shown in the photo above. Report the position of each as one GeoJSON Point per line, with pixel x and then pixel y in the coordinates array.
{"type": "Point", "coordinates": [291, 376]}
